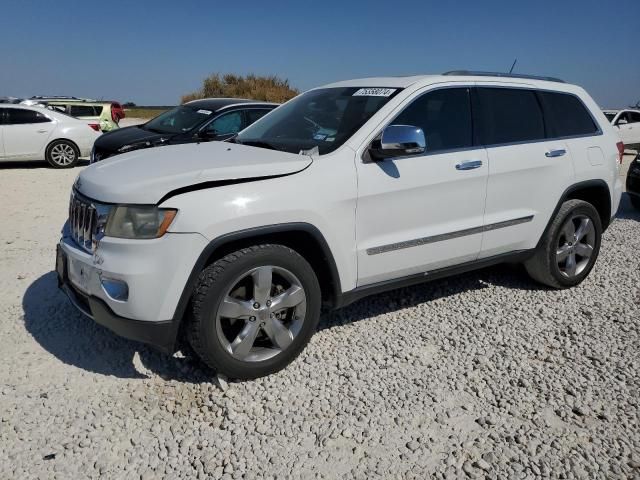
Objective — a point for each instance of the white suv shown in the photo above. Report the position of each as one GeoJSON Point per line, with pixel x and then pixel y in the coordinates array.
{"type": "Point", "coordinates": [345, 191]}
{"type": "Point", "coordinates": [627, 124]}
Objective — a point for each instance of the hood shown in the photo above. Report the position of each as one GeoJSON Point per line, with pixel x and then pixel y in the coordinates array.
{"type": "Point", "coordinates": [149, 175]}
{"type": "Point", "coordinates": [120, 137]}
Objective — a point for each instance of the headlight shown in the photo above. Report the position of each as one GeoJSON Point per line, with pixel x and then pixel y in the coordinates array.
{"type": "Point", "coordinates": [139, 221]}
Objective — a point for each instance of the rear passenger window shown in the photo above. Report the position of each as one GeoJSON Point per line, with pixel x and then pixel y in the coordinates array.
{"type": "Point", "coordinates": [633, 117]}
{"type": "Point", "coordinates": [507, 115]}
{"type": "Point", "coordinates": [566, 115]}
{"type": "Point", "coordinates": [444, 116]}
{"type": "Point", "coordinates": [82, 111]}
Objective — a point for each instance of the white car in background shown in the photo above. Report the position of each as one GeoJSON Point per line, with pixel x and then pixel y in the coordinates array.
{"type": "Point", "coordinates": [627, 123]}
{"type": "Point", "coordinates": [34, 133]}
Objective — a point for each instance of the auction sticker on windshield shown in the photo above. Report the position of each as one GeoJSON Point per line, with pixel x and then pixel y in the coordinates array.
{"type": "Point", "coordinates": [205, 112]}
{"type": "Point", "coordinates": [374, 92]}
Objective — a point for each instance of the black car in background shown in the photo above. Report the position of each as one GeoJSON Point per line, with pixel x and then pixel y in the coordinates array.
{"type": "Point", "coordinates": [197, 121]}
{"type": "Point", "coordinates": [633, 182]}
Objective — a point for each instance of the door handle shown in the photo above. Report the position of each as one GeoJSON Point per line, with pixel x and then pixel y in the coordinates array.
{"type": "Point", "coordinates": [555, 153]}
{"type": "Point", "coordinates": [42, 131]}
{"type": "Point", "coordinates": [469, 165]}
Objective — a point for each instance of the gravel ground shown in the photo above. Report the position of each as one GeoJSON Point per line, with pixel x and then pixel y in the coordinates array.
{"type": "Point", "coordinates": [482, 375]}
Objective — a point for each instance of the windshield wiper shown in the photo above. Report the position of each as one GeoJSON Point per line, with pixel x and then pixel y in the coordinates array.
{"type": "Point", "coordinates": [154, 130]}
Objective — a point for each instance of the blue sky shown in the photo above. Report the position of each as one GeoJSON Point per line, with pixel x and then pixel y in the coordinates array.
{"type": "Point", "coordinates": [153, 52]}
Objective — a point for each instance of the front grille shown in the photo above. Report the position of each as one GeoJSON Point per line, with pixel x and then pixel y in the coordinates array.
{"type": "Point", "coordinates": [83, 221]}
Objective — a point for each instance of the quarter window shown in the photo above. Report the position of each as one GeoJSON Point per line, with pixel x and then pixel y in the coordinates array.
{"type": "Point", "coordinates": [444, 116]}
{"type": "Point", "coordinates": [566, 115]}
{"type": "Point", "coordinates": [507, 115]}
{"type": "Point", "coordinates": [19, 116]}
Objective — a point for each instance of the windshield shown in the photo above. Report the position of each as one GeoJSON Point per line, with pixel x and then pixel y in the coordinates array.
{"type": "Point", "coordinates": [323, 118]}
{"type": "Point", "coordinates": [178, 120]}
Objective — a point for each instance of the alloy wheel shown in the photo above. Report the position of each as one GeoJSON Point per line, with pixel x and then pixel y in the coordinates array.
{"type": "Point", "coordinates": [261, 314]}
{"type": "Point", "coordinates": [575, 245]}
{"type": "Point", "coordinates": [63, 154]}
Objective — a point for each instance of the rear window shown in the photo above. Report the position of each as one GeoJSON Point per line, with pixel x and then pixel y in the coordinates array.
{"type": "Point", "coordinates": [566, 115]}
{"type": "Point", "coordinates": [508, 115]}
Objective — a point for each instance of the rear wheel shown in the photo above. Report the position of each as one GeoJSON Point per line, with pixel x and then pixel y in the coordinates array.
{"type": "Point", "coordinates": [569, 248]}
{"type": "Point", "coordinates": [62, 154]}
{"type": "Point", "coordinates": [254, 311]}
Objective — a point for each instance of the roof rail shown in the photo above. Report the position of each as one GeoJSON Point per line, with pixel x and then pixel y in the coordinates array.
{"type": "Point", "coordinates": [467, 73]}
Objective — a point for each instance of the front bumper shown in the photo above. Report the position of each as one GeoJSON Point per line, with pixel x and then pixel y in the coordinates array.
{"type": "Point", "coordinates": [161, 335]}
{"type": "Point", "coordinates": [155, 271]}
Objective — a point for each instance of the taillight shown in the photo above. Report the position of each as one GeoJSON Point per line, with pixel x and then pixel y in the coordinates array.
{"type": "Point", "coordinates": [620, 146]}
{"type": "Point", "coordinates": [95, 126]}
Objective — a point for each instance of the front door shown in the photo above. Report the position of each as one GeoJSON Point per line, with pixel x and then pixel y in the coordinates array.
{"type": "Point", "coordinates": [423, 212]}
{"type": "Point", "coordinates": [25, 132]}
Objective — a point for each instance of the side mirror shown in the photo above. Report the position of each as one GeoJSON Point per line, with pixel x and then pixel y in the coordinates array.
{"type": "Point", "coordinates": [398, 141]}
{"type": "Point", "coordinates": [205, 135]}
{"type": "Point", "coordinates": [622, 121]}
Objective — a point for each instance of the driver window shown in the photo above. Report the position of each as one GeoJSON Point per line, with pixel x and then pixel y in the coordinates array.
{"type": "Point", "coordinates": [444, 116]}
{"type": "Point", "coordinates": [227, 124]}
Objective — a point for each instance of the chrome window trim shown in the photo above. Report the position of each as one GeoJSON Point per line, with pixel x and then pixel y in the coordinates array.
{"type": "Point", "coordinates": [599, 132]}
{"type": "Point", "coordinates": [447, 236]}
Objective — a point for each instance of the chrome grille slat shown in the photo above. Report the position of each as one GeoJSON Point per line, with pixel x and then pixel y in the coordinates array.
{"type": "Point", "coordinates": [83, 222]}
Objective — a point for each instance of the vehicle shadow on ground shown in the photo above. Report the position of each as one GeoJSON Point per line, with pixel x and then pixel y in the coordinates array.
{"type": "Point", "coordinates": [626, 211]}
{"type": "Point", "coordinates": [512, 276]}
{"type": "Point", "coordinates": [33, 164]}
{"type": "Point", "coordinates": [77, 340]}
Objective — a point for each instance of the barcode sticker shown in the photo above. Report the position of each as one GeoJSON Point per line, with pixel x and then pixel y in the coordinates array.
{"type": "Point", "coordinates": [374, 92]}
{"type": "Point", "coordinates": [205, 112]}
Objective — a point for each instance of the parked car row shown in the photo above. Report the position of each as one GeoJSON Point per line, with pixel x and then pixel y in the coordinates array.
{"type": "Point", "coordinates": [101, 115]}
{"type": "Point", "coordinates": [345, 191]}
{"type": "Point", "coordinates": [63, 130]}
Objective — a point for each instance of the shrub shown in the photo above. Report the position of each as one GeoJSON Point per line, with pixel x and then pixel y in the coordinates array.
{"type": "Point", "coordinates": [270, 88]}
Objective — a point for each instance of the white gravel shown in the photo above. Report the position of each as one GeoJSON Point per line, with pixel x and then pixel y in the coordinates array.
{"type": "Point", "coordinates": [482, 375]}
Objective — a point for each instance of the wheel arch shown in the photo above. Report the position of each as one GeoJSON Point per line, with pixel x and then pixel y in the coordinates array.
{"type": "Point", "coordinates": [59, 139]}
{"type": "Point", "coordinates": [596, 192]}
{"type": "Point", "coordinates": [304, 238]}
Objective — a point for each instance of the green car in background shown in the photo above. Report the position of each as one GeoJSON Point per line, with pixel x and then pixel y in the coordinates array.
{"type": "Point", "coordinates": [100, 115]}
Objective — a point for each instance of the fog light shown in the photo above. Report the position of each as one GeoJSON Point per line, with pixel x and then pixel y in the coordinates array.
{"type": "Point", "coordinates": [115, 289]}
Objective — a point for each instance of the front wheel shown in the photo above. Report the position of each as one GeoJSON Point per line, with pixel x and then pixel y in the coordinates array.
{"type": "Point", "coordinates": [635, 201]}
{"type": "Point", "coordinates": [254, 311]}
{"type": "Point", "coordinates": [62, 154]}
{"type": "Point", "coordinates": [569, 248]}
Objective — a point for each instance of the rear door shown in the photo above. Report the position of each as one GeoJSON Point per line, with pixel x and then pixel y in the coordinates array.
{"type": "Point", "coordinates": [633, 127]}
{"type": "Point", "coordinates": [26, 133]}
{"type": "Point", "coordinates": [423, 212]}
{"type": "Point", "coordinates": [527, 172]}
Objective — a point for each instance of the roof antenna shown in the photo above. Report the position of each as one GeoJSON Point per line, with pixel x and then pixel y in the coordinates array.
{"type": "Point", "coordinates": [513, 65]}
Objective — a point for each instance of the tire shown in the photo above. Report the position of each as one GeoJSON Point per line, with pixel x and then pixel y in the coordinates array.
{"type": "Point", "coordinates": [551, 264]}
{"type": "Point", "coordinates": [62, 154]}
{"type": "Point", "coordinates": [635, 201]}
{"type": "Point", "coordinates": [236, 327]}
